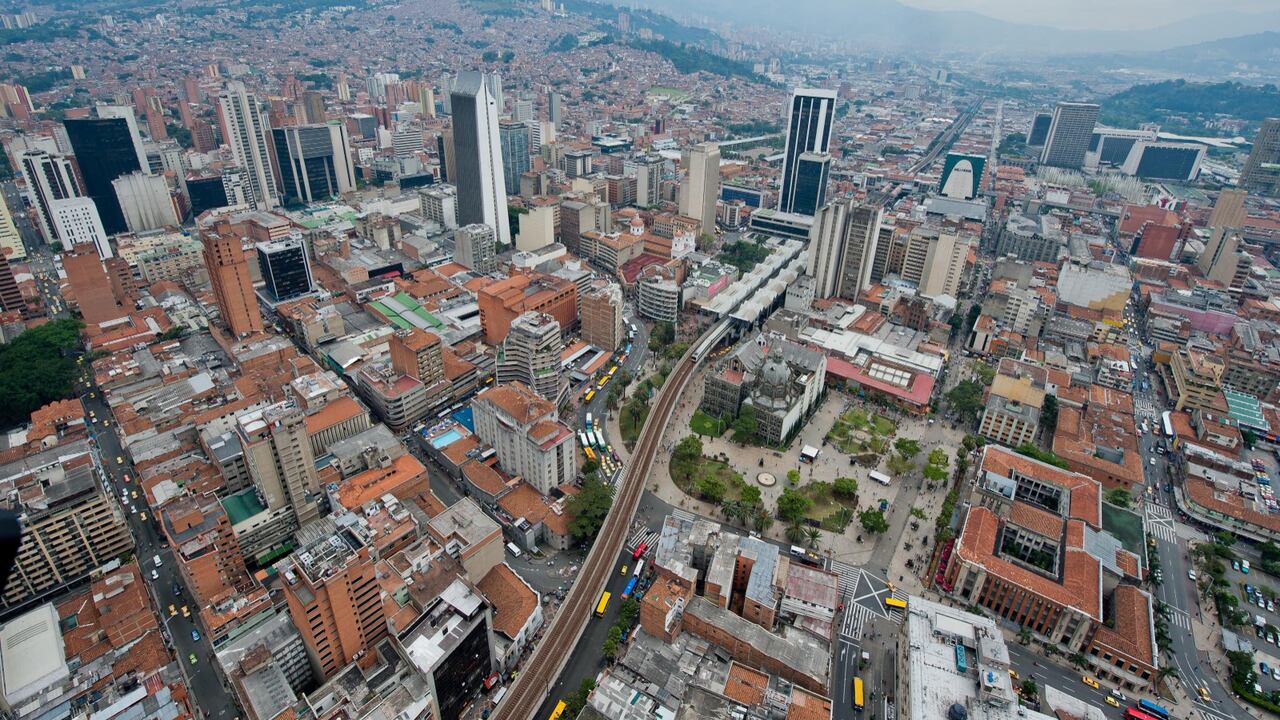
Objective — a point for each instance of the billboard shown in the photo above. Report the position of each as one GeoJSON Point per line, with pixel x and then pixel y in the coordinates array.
{"type": "Point", "coordinates": [962, 176]}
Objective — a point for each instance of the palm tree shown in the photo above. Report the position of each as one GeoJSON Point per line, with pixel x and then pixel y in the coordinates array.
{"type": "Point", "coordinates": [814, 536]}
{"type": "Point", "coordinates": [762, 520]}
{"type": "Point", "coordinates": [796, 533]}
{"type": "Point", "coordinates": [731, 508]}
{"type": "Point", "coordinates": [1077, 659]}
{"type": "Point", "coordinates": [1165, 672]}
{"type": "Point", "coordinates": [1024, 636]}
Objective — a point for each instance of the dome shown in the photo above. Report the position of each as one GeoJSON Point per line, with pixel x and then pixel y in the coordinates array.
{"type": "Point", "coordinates": [775, 375]}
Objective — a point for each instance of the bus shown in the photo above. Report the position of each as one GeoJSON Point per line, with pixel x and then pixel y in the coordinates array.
{"type": "Point", "coordinates": [560, 708]}
{"type": "Point", "coordinates": [613, 371]}
{"type": "Point", "coordinates": [587, 398]}
{"type": "Point", "coordinates": [639, 569]}
{"type": "Point", "coordinates": [582, 439]}
{"type": "Point", "coordinates": [857, 694]}
{"type": "Point", "coordinates": [1151, 708]}
{"type": "Point", "coordinates": [588, 420]}
{"type": "Point", "coordinates": [604, 602]}
{"type": "Point", "coordinates": [894, 602]}
{"type": "Point", "coordinates": [631, 586]}
{"type": "Point", "coordinates": [1136, 714]}
{"type": "Point", "coordinates": [600, 443]}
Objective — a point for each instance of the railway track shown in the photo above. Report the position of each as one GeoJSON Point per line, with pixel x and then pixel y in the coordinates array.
{"type": "Point", "coordinates": [534, 684]}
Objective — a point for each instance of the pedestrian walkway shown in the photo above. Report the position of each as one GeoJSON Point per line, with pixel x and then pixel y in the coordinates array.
{"type": "Point", "coordinates": [642, 535]}
{"type": "Point", "coordinates": [685, 515]}
{"type": "Point", "coordinates": [1159, 522]}
{"type": "Point", "coordinates": [1179, 618]}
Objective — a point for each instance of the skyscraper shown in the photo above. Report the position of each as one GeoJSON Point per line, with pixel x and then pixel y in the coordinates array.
{"type": "Point", "coordinates": [514, 137]}
{"type": "Point", "coordinates": [476, 169]}
{"type": "Point", "coordinates": [313, 106]}
{"type": "Point", "coordinates": [278, 453]}
{"type": "Point", "coordinates": [314, 162]}
{"type": "Point", "coordinates": [1069, 134]}
{"type": "Point", "coordinates": [106, 147]}
{"type": "Point", "coordinates": [284, 268]}
{"type": "Point", "coordinates": [700, 187]}
{"type": "Point", "coordinates": [1261, 172]}
{"type": "Point", "coordinates": [10, 295]}
{"type": "Point", "coordinates": [49, 177]}
{"type": "Point", "coordinates": [1039, 130]}
{"type": "Point", "coordinates": [246, 131]}
{"type": "Point", "coordinates": [842, 247]}
{"type": "Point", "coordinates": [10, 241]}
{"type": "Point", "coordinates": [473, 247]}
{"type": "Point", "coordinates": [808, 131]}
{"type": "Point", "coordinates": [145, 201]}
{"type": "Point", "coordinates": [232, 286]}
{"type": "Point", "coordinates": [417, 353]}
{"type": "Point", "coordinates": [553, 108]}
{"type": "Point", "coordinates": [77, 222]}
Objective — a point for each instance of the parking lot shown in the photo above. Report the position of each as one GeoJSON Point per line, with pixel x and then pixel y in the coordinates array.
{"type": "Point", "coordinates": [1258, 598]}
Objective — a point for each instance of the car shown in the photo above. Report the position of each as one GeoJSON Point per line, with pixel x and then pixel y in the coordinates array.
{"type": "Point", "coordinates": [173, 609]}
{"type": "Point", "coordinates": [1262, 635]}
{"type": "Point", "coordinates": [1275, 673]}
{"type": "Point", "coordinates": [155, 575]}
{"type": "Point", "coordinates": [1235, 565]}
{"type": "Point", "coordinates": [1153, 461]}
{"type": "Point", "coordinates": [1191, 575]}
{"type": "Point", "coordinates": [1089, 681]}
{"type": "Point", "coordinates": [1271, 638]}
{"type": "Point", "coordinates": [186, 612]}
{"type": "Point", "coordinates": [1112, 701]}
{"type": "Point", "coordinates": [195, 635]}
{"type": "Point", "coordinates": [624, 569]}
{"type": "Point", "coordinates": [191, 657]}
{"type": "Point", "coordinates": [1013, 674]}
{"type": "Point", "coordinates": [119, 459]}
{"type": "Point", "coordinates": [1266, 670]}
{"type": "Point", "coordinates": [1248, 589]}
{"type": "Point", "coordinates": [1204, 693]}
{"type": "Point", "coordinates": [133, 494]}
{"type": "Point", "coordinates": [177, 589]}
{"type": "Point", "coordinates": [142, 516]}
{"type": "Point", "coordinates": [1271, 606]}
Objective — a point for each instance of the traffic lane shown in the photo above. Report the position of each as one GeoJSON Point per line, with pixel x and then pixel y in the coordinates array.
{"type": "Point", "coordinates": [1028, 665]}
{"type": "Point", "coordinates": [845, 671]}
{"type": "Point", "coordinates": [587, 659]}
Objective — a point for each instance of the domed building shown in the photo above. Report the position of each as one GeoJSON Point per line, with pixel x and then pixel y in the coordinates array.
{"type": "Point", "coordinates": [780, 380]}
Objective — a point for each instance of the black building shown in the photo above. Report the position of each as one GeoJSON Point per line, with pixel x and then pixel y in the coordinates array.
{"type": "Point", "coordinates": [206, 194]}
{"type": "Point", "coordinates": [104, 151]}
{"type": "Point", "coordinates": [808, 133]}
{"type": "Point", "coordinates": [313, 161]}
{"type": "Point", "coordinates": [285, 268]}
{"type": "Point", "coordinates": [810, 186]}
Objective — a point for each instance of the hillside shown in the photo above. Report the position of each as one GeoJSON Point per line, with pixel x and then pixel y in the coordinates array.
{"type": "Point", "coordinates": [1183, 106]}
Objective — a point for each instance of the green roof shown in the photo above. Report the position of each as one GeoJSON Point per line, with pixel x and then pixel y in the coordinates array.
{"type": "Point", "coordinates": [242, 506]}
{"type": "Point", "coordinates": [1245, 410]}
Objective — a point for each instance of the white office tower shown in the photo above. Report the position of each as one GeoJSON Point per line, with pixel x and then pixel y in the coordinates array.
{"type": "Point", "coordinates": [49, 177]}
{"type": "Point", "coordinates": [446, 90]}
{"type": "Point", "coordinates": [145, 201]}
{"type": "Point", "coordinates": [474, 247]}
{"type": "Point", "coordinates": [406, 141]}
{"type": "Point", "coordinates": [842, 247]}
{"type": "Point", "coordinates": [1070, 134]}
{"type": "Point", "coordinates": [477, 155]}
{"type": "Point", "coordinates": [647, 170]}
{"type": "Point", "coordinates": [377, 85]}
{"type": "Point", "coordinates": [701, 185]}
{"type": "Point", "coordinates": [440, 204]}
{"type": "Point", "coordinates": [248, 137]}
{"type": "Point", "coordinates": [236, 187]}
{"type": "Point", "coordinates": [77, 222]}
{"type": "Point", "coordinates": [494, 82]}
{"type": "Point", "coordinates": [812, 111]}
{"type": "Point", "coordinates": [10, 241]}
{"type": "Point", "coordinates": [531, 354]}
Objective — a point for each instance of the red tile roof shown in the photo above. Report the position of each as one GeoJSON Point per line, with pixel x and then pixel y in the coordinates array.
{"type": "Point", "coordinates": [513, 600]}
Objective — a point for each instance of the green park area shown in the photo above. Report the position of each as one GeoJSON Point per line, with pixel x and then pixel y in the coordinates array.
{"type": "Point", "coordinates": [706, 425]}
{"type": "Point", "coordinates": [676, 94]}
{"type": "Point", "coordinates": [858, 433]}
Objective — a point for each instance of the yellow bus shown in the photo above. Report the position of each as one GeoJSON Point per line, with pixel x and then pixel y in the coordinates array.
{"type": "Point", "coordinates": [590, 455]}
{"type": "Point", "coordinates": [590, 394]}
{"type": "Point", "coordinates": [857, 694]}
{"type": "Point", "coordinates": [604, 602]}
{"type": "Point", "coordinates": [894, 602]}
{"type": "Point", "coordinates": [613, 370]}
{"type": "Point", "coordinates": [555, 714]}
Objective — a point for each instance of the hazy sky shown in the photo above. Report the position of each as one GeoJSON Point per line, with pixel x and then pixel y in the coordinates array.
{"type": "Point", "coordinates": [1095, 14]}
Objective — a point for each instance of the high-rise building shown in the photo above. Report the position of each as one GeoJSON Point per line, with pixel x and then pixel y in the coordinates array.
{"type": "Point", "coordinates": [145, 201]}
{"type": "Point", "coordinates": [514, 137]}
{"type": "Point", "coordinates": [332, 591]}
{"type": "Point", "coordinates": [1069, 136]}
{"type": "Point", "coordinates": [314, 161]}
{"type": "Point", "coordinates": [601, 315]}
{"type": "Point", "coordinates": [531, 354]}
{"type": "Point", "coordinates": [812, 111]}
{"type": "Point", "coordinates": [453, 649]}
{"type": "Point", "coordinates": [417, 353]}
{"type": "Point", "coordinates": [525, 431]}
{"type": "Point", "coordinates": [277, 451]}
{"type": "Point", "coordinates": [444, 152]}
{"type": "Point", "coordinates": [474, 247]}
{"type": "Point", "coordinates": [10, 241]}
{"type": "Point", "coordinates": [49, 177]}
{"type": "Point", "coordinates": [106, 147]}
{"type": "Point", "coordinates": [1261, 172]}
{"type": "Point", "coordinates": [10, 295]}
{"type": "Point", "coordinates": [440, 204]}
{"type": "Point", "coordinates": [77, 222]}
{"type": "Point", "coordinates": [700, 187]}
{"type": "Point", "coordinates": [476, 167]}
{"type": "Point", "coordinates": [647, 170]}
{"type": "Point", "coordinates": [232, 285]}
{"type": "Point", "coordinates": [1039, 130]}
{"type": "Point", "coordinates": [842, 247]}
{"type": "Point", "coordinates": [285, 268]}
{"type": "Point", "coordinates": [935, 261]}
{"type": "Point", "coordinates": [246, 131]}
{"type": "Point", "coordinates": [1222, 259]}
{"type": "Point", "coordinates": [554, 112]}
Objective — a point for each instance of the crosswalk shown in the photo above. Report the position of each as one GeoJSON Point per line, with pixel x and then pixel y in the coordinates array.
{"type": "Point", "coordinates": [685, 515]}
{"type": "Point", "coordinates": [1160, 523]}
{"type": "Point", "coordinates": [1179, 618]}
{"type": "Point", "coordinates": [863, 595]}
{"type": "Point", "coordinates": [642, 535]}
{"type": "Point", "coordinates": [848, 575]}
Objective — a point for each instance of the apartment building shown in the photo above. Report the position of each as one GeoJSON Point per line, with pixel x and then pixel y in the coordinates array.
{"type": "Point", "coordinates": [527, 434]}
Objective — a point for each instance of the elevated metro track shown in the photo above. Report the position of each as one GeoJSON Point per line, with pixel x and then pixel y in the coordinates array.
{"type": "Point", "coordinates": [535, 681]}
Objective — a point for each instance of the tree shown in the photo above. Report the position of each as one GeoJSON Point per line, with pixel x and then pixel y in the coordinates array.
{"type": "Point", "coordinates": [846, 487]}
{"type": "Point", "coordinates": [966, 399]}
{"type": "Point", "coordinates": [956, 321]}
{"type": "Point", "coordinates": [793, 477]}
{"type": "Point", "coordinates": [750, 496]}
{"type": "Point", "coordinates": [589, 466]}
{"type": "Point", "coordinates": [1043, 456]}
{"type": "Point", "coordinates": [873, 521]}
{"type": "Point", "coordinates": [1049, 414]}
{"type": "Point", "coordinates": [688, 449]}
{"type": "Point", "coordinates": [745, 425]}
{"type": "Point", "coordinates": [629, 611]}
{"type": "Point", "coordinates": [664, 333]}
{"type": "Point", "coordinates": [975, 311]}
{"type": "Point", "coordinates": [711, 488]}
{"type": "Point", "coordinates": [762, 520]}
{"type": "Point", "coordinates": [731, 508]}
{"type": "Point", "coordinates": [907, 447]}
{"type": "Point", "coordinates": [588, 508]}
{"type": "Point", "coordinates": [985, 372]}
{"type": "Point", "coordinates": [813, 535]}
{"type": "Point", "coordinates": [899, 465]}
{"type": "Point", "coordinates": [1225, 537]}
{"type": "Point", "coordinates": [1030, 689]}
{"type": "Point", "coordinates": [513, 218]}
{"type": "Point", "coordinates": [935, 473]}
{"type": "Point", "coordinates": [578, 699]}
{"type": "Point", "coordinates": [1119, 497]}
{"type": "Point", "coordinates": [36, 369]}
{"type": "Point", "coordinates": [795, 533]}
{"type": "Point", "coordinates": [792, 505]}
{"type": "Point", "coordinates": [612, 641]}
{"type": "Point", "coordinates": [938, 456]}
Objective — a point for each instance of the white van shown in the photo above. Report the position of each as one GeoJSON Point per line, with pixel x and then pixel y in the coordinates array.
{"type": "Point", "coordinates": [156, 560]}
{"type": "Point", "coordinates": [511, 548]}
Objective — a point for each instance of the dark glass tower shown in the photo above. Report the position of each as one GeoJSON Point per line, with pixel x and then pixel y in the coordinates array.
{"type": "Point", "coordinates": [104, 151]}
{"type": "Point", "coordinates": [808, 131]}
{"type": "Point", "coordinates": [313, 161]}
{"type": "Point", "coordinates": [285, 269]}
{"type": "Point", "coordinates": [811, 183]}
